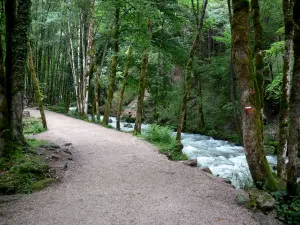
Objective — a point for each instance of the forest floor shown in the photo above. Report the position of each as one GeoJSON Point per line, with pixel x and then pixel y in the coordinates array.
{"type": "Point", "coordinates": [120, 179]}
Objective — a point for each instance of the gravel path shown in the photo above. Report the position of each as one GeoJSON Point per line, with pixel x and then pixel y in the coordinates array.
{"type": "Point", "coordinates": [119, 179]}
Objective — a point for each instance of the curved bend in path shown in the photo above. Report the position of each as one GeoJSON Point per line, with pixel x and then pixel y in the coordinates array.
{"type": "Point", "coordinates": [119, 179]}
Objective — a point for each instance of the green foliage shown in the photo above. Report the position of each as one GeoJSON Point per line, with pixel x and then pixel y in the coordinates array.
{"type": "Point", "coordinates": [61, 108]}
{"type": "Point", "coordinates": [273, 91]}
{"type": "Point", "coordinates": [33, 125]}
{"type": "Point", "coordinates": [288, 208]}
{"type": "Point", "coordinates": [163, 138]}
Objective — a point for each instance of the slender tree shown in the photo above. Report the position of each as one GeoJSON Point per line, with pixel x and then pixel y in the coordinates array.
{"type": "Point", "coordinates": [188, 74]}
{"type": "Point", "coordinates": [4, 123]}
{"type": "Point", "coordinates": [250, 98]}
{"type": "Point", "coordinates": [38, 93]}
{"type": "Point", "coordinates": [285, 90]}
{"type": "Point", "coordinates": [293, 139]}
{"type": "Point", "coordinates": [112, 79]}
{"type": "Point", "coordinates": [143, 82]}
{"type": "Point", "coordinates": [89, 55]}
{"type": "Point", "coordinates": [124, 83]}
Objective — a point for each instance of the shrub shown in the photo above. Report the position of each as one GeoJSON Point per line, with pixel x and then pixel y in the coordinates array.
{"type": "Point", "coordinates": [164, 139]}
{"type": "Point", "coordinates": [159, 134]}
{"type": "Point", "coordinates": [288, 208]}
{"type": "Point", "coordinates": [32, 125]}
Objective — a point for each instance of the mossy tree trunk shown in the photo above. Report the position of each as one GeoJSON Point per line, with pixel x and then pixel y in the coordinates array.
{"type": "Point", "coordinates": [285, 89]}
{"type": "Point", "coordinates": [141, 94]}
{"type": "Point", "coordinates": [250, 98]}
{"type": "Point", "coordinates": [4, 123]}
{"type": "Point", "coordinates": [124, 83]}
{"type": "Point", "coordinates": [17, 29]}
{"type": "Point", "coordinates": [38, 93]}
{"type": "Point", "coordinates": [258, 47]}
{"type": "Point", "coordinates": [188, 74]}
{"type": "Point", "coordinates": [233, 89]}
{"type": "Point", "coordinates": [293, 139]}
{"type": "Point", "coordinates": [112, 79]}
{"type": "Point", "coordinates": [143, 83]}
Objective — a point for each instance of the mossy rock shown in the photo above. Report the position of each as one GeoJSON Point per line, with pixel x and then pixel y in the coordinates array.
{"type": "Point", "coordinates": [261, 200]}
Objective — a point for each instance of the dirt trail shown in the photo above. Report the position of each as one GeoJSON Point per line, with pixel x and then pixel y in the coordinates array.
{"type": "Point", "coordinates": [120, 179]}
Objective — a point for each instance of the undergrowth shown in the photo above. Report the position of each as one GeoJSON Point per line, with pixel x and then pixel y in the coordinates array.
{"type": "Point", "coordinates": [162, 138]}
{"type": "Point", "coordinates": [287, 207]}
{"type": "Point", "coordinates": [23, 171]}
{"type": "Point", "coordinates": [33, 125]}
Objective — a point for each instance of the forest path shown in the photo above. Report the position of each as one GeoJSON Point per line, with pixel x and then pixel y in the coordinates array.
{"type": "Point", "coordinates": [120, 179]}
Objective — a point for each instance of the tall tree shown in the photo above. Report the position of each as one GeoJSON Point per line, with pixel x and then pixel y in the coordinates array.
{"type": "Point", "coordinates": [112, 79]}
{"type": "Point", "coordinates": [89, 56]}
{"type": "Point", "coordinates": [143, 81]}
{"type": "Point", "coordinates": [188, 74]}
{"type": "Point", "coordinates": [250, 98]}
{"type": "Point", "coordinates": [285, 89]}
{"type": "Point", "coordinates": [293, 139]}
{"type": "Point", "coordinates": [4, 123]}
{"type": "Point", "coordinates": [125, 78]}
{"type": "Point", "coordinates": [17, 27]}
{"type": "Point", "coordinates": [38, 94]}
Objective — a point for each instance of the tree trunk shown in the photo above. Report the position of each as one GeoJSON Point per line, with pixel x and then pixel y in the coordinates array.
{"type": "Point", "coordinates": [89, 56]}
{"type": "Point", "coordinates": [293, 138]}
{"type": "Point", "coordinates": [17, 28]}
{"type": "Point", "coordinates": [38, 94]}
{"type": "Point", "coordinates": [259, 60]}
{"type": "Point", "coordinates": [110, 93]}
{"type": "Point", "coordinates": [143, 83]}
{"type": "Point", "coordinates": [72, 62]}
{"type": "Point", "coordinates": [125, 78]}
{"type": "Point", "coordinates": [285, 89]}
{"type": "Point", "coordinates": [250, 98]}
{"type": "Point", "coordinates": [233, 91]}
{"type": "Point", "coordinates": [4, 123]}
{"type": "Point", "coordinates": [188, 74]}
{"type": "Point", "coordinates": [141, 94]}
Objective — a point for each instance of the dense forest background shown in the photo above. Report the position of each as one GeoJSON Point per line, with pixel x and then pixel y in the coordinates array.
{"type": "Point", "coordinates": [213, 104]}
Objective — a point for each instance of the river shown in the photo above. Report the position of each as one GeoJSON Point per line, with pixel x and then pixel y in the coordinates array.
{"type": "Point", "coordinates": [224, 159]}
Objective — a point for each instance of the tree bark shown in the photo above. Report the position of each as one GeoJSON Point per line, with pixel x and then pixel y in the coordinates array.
{"type": "Point", "coordinates": [250, 98]}
{"type": "Point", "coordinates": [285, 89]}
{"type": "Point", "coordinates": [125, 78]}
{"type": "Point", "coordinates": [293, 139]}
{"type": "Point", "coordinates": [38, 93]}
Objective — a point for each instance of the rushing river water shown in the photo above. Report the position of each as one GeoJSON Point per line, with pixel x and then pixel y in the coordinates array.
{"type": "Point", "coordinates": [223, 158]}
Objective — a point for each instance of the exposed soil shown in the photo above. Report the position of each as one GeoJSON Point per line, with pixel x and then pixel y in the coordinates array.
{"type": "Point", "coordinates": [120, 179]}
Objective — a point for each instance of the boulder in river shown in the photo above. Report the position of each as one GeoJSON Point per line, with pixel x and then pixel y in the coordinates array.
{"type": "Point", "coordinates": [128, 125]}
{"type": "Point", "coordinates": [261, 200]}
